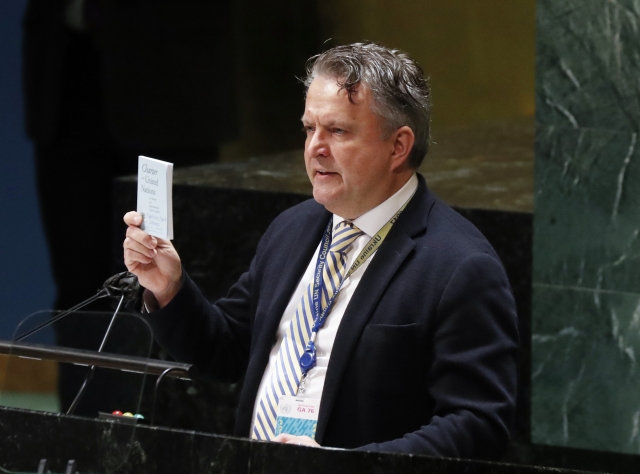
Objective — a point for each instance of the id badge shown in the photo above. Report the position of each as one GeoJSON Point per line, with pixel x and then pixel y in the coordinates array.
{"type": "Point", "coordinates": [297, 416]}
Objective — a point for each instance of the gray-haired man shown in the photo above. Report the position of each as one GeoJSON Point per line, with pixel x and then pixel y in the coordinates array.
{"type": "Point", "coordinates": [373, 316]}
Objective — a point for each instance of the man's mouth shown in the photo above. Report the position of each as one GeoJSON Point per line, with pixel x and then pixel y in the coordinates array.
{"type": "Point", "coordinates": [325, 173]}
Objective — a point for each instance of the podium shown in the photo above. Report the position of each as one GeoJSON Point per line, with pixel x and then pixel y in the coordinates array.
{"type": "Point", "coordinates": [101, 446]}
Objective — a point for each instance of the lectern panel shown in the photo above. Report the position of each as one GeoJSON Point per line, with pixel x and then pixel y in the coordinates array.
{"type": "Point", "coordinates": [96, 367]}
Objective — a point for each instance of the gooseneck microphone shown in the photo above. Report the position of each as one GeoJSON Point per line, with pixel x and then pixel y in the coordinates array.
{"type": "Point", "coordinates": [124, 286]}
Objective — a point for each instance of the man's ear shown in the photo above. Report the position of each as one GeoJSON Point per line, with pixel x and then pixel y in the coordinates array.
{"type": "Point", "coordinates": [402, 146]}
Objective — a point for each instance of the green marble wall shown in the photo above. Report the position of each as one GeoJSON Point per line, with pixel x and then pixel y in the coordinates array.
{"type": "Point", "coordinates": [586, 272]}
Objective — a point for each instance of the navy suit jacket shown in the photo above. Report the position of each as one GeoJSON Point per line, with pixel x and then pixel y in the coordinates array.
{"type": "Point", "coordinates": [424, 360]}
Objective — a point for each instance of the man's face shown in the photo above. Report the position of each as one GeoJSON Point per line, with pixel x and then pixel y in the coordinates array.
{"type": "Point", "coordinates": [348, 163]}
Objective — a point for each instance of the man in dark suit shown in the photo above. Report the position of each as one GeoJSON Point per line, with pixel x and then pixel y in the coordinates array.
{"type": "Point", "coordinates": [409, 322]}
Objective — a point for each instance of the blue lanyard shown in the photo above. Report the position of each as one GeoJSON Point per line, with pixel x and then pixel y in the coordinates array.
{"type": "Point", "coordinates": [319, 315]}
{"type": "Point", "coordinates": [308, 358]}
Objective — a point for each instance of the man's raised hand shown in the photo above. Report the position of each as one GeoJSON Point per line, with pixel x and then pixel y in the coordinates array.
{"type": "Point", "coordinates": [154, 261]}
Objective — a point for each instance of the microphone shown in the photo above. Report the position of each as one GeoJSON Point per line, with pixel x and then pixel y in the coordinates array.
{"type": "Point", "coordinates": [123, 285]}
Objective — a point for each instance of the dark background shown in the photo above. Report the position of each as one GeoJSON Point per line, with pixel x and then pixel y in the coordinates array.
{"type": "Point", "coordinates": [25, 277]}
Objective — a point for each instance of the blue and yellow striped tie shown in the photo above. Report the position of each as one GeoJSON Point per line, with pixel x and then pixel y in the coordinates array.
{"type": "Point", "coordinates": [286, 375]}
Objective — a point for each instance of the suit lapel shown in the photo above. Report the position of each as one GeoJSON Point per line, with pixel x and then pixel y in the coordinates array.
{"type": "Point", "coordinates": [395, 249]}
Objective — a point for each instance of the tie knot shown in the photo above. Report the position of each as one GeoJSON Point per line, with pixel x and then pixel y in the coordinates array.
{"type": "Point", "coordinates": [344, 235]}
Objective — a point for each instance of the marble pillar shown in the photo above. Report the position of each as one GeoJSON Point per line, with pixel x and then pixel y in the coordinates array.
{"type": "Point", "coordinates": [586, 272]}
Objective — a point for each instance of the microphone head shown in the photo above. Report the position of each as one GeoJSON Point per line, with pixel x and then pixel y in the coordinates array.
{"type": "Point", "coordinates": [124, 283]}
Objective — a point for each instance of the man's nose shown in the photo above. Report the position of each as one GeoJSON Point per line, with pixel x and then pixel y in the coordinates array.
{"type": "Point", "coordinates": [317, 143]}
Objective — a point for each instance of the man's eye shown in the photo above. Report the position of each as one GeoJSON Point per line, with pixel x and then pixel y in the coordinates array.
{"type": "Point", "coordinates": [307, 129]}
{"type": "Point", "coordinates": [338, 131]}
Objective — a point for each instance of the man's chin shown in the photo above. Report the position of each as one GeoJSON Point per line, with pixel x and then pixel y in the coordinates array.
{"type": "Point", "coordinates": [329, 200]}
{"type": "Point", "coordinates": [337, 206]}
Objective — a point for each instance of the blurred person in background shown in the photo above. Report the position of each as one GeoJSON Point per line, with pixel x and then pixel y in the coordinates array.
{"type": "Point", "coordinates": [106, 81]}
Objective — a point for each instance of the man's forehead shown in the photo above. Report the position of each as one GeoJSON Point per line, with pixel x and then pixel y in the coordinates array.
{"type": "Point", "coordinates": [328, 90]}
{"type": "Point", "coordinates": [331, 111]}
{"type": "Point", "coordinates": [347, 114]}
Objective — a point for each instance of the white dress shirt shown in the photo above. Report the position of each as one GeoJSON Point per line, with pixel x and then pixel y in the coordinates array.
{"type": "Point", "coordinates": [370, 223]}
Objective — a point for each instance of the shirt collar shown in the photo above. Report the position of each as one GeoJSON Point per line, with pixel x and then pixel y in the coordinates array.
{"type": "Point", "coordinates": [372, 221]}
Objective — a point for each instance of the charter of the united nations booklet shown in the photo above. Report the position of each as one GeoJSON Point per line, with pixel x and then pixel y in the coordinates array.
{"type": "Point", "coordinates": [155, 181]}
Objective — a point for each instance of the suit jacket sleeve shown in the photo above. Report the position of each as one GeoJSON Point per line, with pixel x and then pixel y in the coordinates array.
{"type": "Point", "coordinates": [214, 337]}
{"type": "Point", "coordinates": [472, 380]}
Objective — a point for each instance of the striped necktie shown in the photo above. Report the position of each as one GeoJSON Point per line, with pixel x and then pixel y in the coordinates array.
{"type": "Point", "coordinates": [286, 375]}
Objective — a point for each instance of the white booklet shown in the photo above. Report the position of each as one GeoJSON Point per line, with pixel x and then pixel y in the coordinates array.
{"type": "Point", "coordinates": [155, 181]}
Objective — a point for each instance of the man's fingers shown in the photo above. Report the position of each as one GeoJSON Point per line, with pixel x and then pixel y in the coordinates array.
{"type": "Point", "coordinates": [291, 439]}
{"type": "Point", "coordinates": [131, 266]}
{"type": "Point", "coordinates": [131, 257]}
{"type": "Point", "coordinates": [140, 236]}
{"type": "Point", "coordinates": [133, 218]}
{"type": "Point", "coordinates": [136, 246]}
